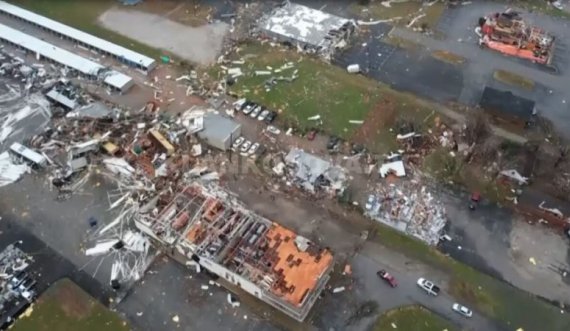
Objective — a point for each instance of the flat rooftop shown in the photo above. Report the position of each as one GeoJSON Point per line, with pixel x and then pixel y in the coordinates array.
{"type": "Point", "coordinates": [220, 229]}
{"type": "Point", "coordinates": [75, 34]}
{"type": "Point", "coordinates": [302, 23]}
{"type": "Point", "coordinates": [63, 57]}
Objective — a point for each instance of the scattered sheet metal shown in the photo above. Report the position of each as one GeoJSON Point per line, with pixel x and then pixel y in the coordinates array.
{"type": "Point", "coordinates": [410, 208]}
{"type": "Point", "coordinates": [10, 172]}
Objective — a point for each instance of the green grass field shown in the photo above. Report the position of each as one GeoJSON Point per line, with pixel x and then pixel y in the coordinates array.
{"type": "Point", "coordinates": [412, 318]}
{"type": "Point", "coordinates": [407, 10]}
{"type": "Point", "coordinates": [329, 91]}
{"type": "Point", "coordinates": [83, 15]}
{"type": "Point", "coordinates": [66, 307]}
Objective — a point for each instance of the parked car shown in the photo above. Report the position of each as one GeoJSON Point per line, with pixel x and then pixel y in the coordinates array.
{"type": "Point", "coordinates": [28, 295]}
{"type": "Point", "coordinates": [428, 286]}
{"type": "Point", "coordinates": [387, 277]}
{"type": "Point", "coordinates": [245, 146]}
{"type": "Point", "coordinates": [255, 112]}
{"type": "Point", "coordinates": [370, 202]}
{"type": "Point", "coordinates": [263, 115]}
{"type": "Point", "coordinates": [239, 104]}
{"type": "Point", "coordinates": [251, 151]}
{"type": "Point", "coordinates": [270, 117]}
{"type": "Point", "coordinates": [462, 310]}
{"type": "Point", "coordinates": [27, 285]}
{"type": "Point", "coordinates": [474, 201]}
{"type": "Point", "coordinates": [333, 145]}
{"type": "Point", "coordinates": [273, 130]}
{"type": "Point", "coordinates": [249, 108]}
{"type": "Point", "coordinates": [17, 279]}
{"type": "Point", "coordinates": [237, 143]}
{"type": "Point", "coordinates": [311, 135]}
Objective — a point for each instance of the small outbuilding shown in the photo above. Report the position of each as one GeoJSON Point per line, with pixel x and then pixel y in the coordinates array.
{"type": "Point", "coordinates": [219, 131]}
{"type": "Point", "coordinates": [506, 107]}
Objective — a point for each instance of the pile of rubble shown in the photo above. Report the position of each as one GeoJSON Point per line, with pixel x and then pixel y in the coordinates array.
{"type": "Point", "coordinates": [310, 173]}
{"type": "Point", "coordinates": [410, 208]}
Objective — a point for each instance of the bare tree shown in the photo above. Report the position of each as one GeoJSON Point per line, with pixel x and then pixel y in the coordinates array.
{"type": "Point", "coordinates": [478, 128]}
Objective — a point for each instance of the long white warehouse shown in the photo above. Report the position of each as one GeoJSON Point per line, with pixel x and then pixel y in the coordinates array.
{"type": "Point", "coordinates": [124, 55]}
{"type": "Point", "coordinates": [83, 66]}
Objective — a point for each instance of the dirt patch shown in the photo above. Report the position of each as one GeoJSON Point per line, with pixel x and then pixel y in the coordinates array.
{"type": "Point", "coordinates": [448, 57]}
{"type": "Point", "coordinates": [513, 79]}
{"type": "Point", "coordinates": [374, 132]}
{"type": "Point", "coordinates": [190, 13]}
{"type": "Point", "coordinates": [72, 301]}
{"type": "Point", "coordinates": [199, 45]}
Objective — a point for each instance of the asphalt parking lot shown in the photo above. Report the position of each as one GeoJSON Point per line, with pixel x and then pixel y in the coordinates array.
{"type": "Point", "coordinates": [405, 70]}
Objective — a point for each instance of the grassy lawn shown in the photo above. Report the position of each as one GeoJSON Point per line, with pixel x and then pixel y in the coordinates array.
{"type": "Point", "coordinates": [407, 10]}
{"type": "Point", "coordinates": [83, 15]}
{"type": "Point", "coordinates": [66, 307]}
{"type": "Point", "coordinates": [448, 57]}
{"type": "Point", "coordinates": [325, 90]}
{"type": "Point", "coordinates": [513, 79]}
{"type": "Point", "coordinates": [412, 318]}
{"type": "Point", "coordinates": [497, 300]}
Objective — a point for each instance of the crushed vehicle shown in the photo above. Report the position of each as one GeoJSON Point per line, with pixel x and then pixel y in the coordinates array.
{"type": "Point", "coordinates": [509, 34]}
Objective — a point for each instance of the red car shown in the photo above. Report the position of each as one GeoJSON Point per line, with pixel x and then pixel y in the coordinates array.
{"type": "Point", "coordinates": [387, 277]}
{"type": "Point", "coordinates": [311, 135]}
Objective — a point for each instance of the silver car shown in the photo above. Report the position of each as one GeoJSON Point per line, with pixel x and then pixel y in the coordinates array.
{"type": "Point", "coordinates": [263, 115]}
{"type": "Point", "coordinates": [462, 310]}
{"type": "Point", "coordinates": [255, 112]}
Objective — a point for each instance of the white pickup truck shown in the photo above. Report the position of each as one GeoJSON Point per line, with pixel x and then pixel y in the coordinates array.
{"type": "Point", "coordinates": [428, 286]}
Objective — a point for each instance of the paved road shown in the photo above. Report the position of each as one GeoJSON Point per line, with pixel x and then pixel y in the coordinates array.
{"type": "Point", "coordinates": [500, 243]}
{"type": "Point", "coordinates": [408, 292]}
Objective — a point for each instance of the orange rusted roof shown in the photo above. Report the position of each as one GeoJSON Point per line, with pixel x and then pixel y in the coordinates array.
{"type": "Point", "coordinates": [301, 270]}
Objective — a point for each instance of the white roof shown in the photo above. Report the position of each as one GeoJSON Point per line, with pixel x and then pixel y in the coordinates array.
{"type": "Point", "coordinates": [303, 23]}
{"type": "Point", "coordinates": [62, 56]}
{"type": "Point", "coordinates": [75, 34]}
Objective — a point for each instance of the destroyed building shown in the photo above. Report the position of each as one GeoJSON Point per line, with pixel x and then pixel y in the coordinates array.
{"type": "Point", "coordinates": [312, 30]}
{"type": "Point", "coordinates": [408, 208]}
{"type": "Point", "coordinates": [82, 66]}
{"type": "Point", "coordinates": [206, 226]}
{"type": "Point", "coordinates": [312, 173]}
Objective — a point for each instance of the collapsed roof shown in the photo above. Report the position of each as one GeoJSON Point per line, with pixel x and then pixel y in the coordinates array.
{"type": "Point", "coordinates": [312, 28]}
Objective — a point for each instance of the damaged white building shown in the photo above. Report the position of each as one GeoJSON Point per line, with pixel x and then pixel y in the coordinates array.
{"type": "Point", "coordinates": [310, 29]}
{"type": "Point", "coordinates": [313, 173]}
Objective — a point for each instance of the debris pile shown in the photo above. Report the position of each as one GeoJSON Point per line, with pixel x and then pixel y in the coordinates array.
{"type": "Point", "coordinates": [410, 208]}
{"type": "Point", "coordinates": [312, 173]}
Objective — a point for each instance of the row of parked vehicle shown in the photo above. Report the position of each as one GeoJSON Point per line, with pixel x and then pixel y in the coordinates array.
{"type": "Point", "coordinates": [255, 111]}
{"type": "Point", "coordinates": [247, 148]}
{"type": "Point", "coordinates": [23, 284]}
